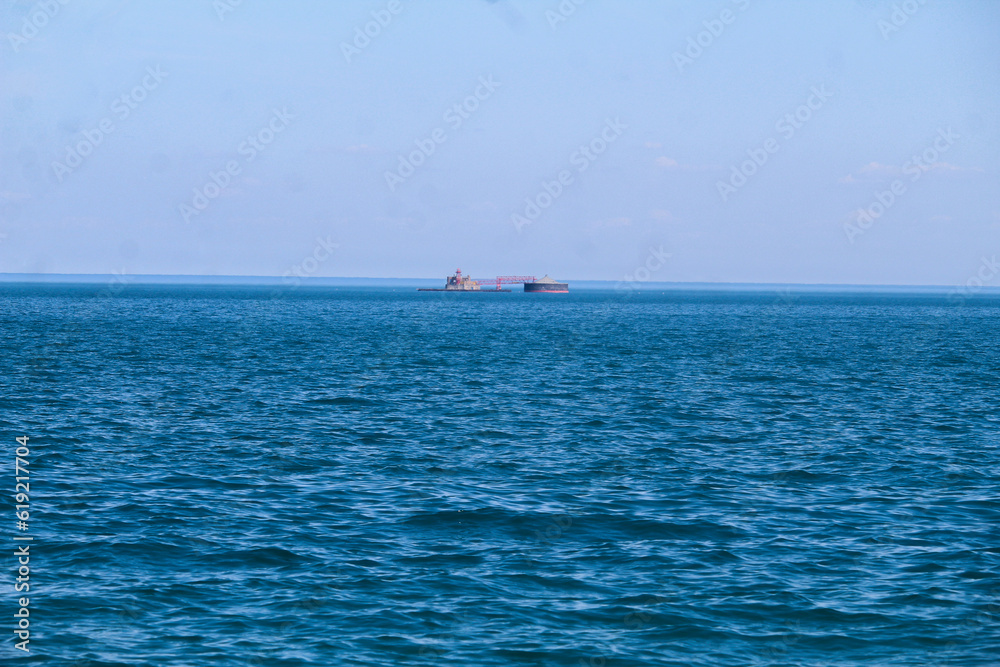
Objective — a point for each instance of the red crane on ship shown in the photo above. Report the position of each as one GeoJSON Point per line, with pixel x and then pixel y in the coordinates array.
{"type": "Point", "coordinates": [499, 280]}
{"type": "Point", "coordinates": [508, 280]}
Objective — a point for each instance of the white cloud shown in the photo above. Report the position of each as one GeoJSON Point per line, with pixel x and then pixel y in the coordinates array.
{"type": "Point", "coordinates": [874, 171]}
{"type": "Point", "coordinates": [879, 169]}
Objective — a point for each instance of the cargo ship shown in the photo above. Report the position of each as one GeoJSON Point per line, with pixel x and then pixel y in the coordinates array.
{"type": "Point", "coordinates": [547, 285]}
{"type": "Point", "coordinates": [460, 283]}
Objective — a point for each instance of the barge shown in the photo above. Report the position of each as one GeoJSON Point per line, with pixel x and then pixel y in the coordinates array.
{"type": "Point", "coordinates": [547, 285]}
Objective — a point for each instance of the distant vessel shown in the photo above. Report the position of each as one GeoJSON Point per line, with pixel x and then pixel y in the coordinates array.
{"type": "Point", "coordinates": [547, 285]}
{"type": "Point", "coordinates": [460, 283]}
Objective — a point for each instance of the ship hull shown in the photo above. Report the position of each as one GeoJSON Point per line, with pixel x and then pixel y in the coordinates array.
{"type": "Point", "coordinates": [547, 288]}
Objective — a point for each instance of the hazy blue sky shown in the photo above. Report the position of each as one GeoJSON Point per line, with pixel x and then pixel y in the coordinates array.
{"type": "Point", "coordinates": [113, 113]}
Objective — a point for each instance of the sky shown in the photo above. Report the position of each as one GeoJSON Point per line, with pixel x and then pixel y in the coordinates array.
{"type": "Point", "coordinates": [750, 141]}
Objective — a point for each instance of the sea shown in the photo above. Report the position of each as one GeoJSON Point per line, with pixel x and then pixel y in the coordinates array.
{"type": "Point", "coordinates": [243, 475]}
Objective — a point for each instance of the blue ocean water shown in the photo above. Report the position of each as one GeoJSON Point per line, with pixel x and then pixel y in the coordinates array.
{"type": "Point", "coordinates": [336, 476]}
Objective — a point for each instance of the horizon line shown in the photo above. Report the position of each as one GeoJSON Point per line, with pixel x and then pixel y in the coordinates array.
{"type": "Point", "coordinates": [287, 281]}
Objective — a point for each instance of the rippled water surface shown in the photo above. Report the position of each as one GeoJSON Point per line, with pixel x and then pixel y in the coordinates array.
{"type": "Point", "coordinates": [238, 476]}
